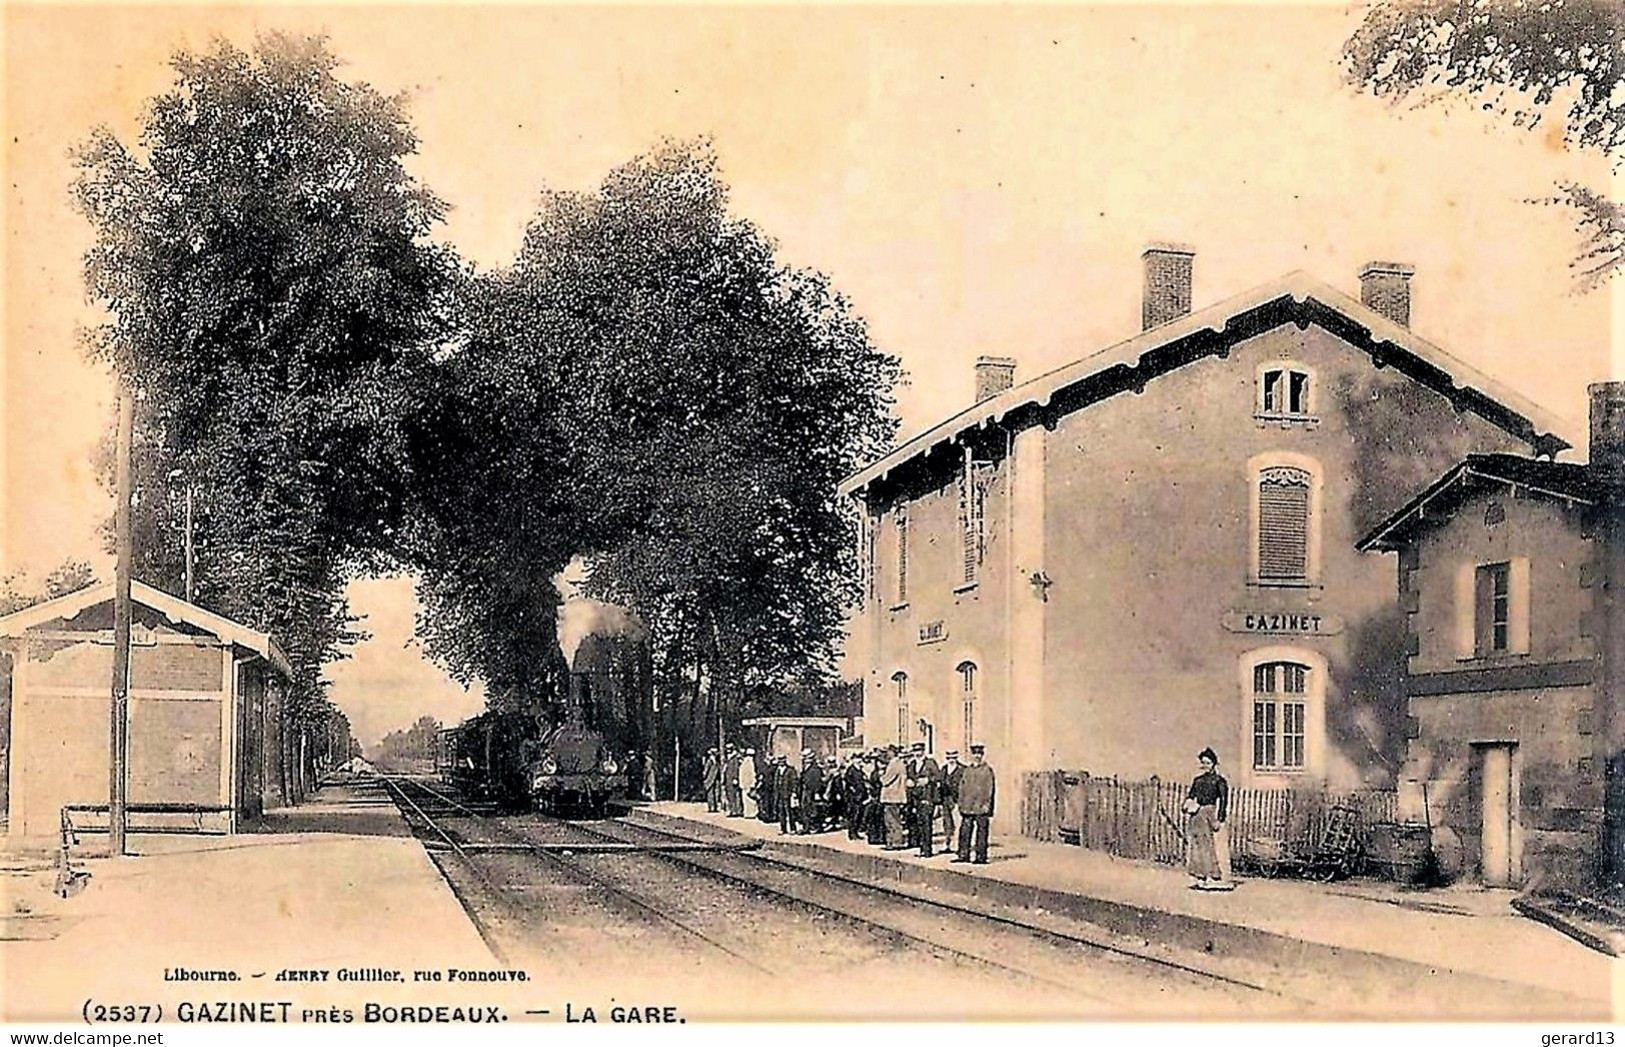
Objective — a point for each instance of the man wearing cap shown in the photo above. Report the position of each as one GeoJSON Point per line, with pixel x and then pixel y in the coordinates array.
{"type": "Point", "coordinates": [712, 776]}
{"type": "Point", "coordinates": [948, 797]}
{"type": "Point", "coordinates": [730, 783]}
{"type": "Point", "coordinates": [976, 787]}
{"type": "Point", "coordinates": [854, 791]}
{"type": "Point", "coordinates": [784, 794]}
{"type": "Point", "coordinates": [923, 779]}
{"type": "Point", "coordinates": [748, 793]}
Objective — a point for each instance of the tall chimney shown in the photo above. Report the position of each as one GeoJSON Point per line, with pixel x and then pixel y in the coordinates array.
{"type": "Point", "coordinates": [994, 374]}
{"type": "Point", "coordinates": [1607, 442]}
{"type": "Point", "coordinates": [1385, 287]}
{"type": "Point", "coordinates": [1167, 284]}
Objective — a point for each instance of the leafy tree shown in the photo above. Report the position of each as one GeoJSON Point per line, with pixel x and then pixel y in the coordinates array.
{"type": "Point", "coordinates": [713, 398]}
{"type": "Point", "coordinates": [1522, 59]}
{"type": "Point", "coordinates": [271, 301]}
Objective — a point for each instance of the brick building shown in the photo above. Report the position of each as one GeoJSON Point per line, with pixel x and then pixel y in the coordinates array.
{"type": "Point", "coordinates": [1508, 572]}
{"type": "Point", "coordinates": [205, 724]}
{"type": "Point", "coordinates": [1152, 550]}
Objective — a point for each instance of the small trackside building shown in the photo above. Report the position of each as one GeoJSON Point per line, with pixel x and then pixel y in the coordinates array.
{"type": "Point", "coordinates": [1510, 573]}
{"type": "Point", "coordinates": [204, 710]}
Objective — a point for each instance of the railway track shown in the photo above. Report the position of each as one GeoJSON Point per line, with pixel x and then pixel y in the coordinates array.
{"type": "Point", "coordinates": [716, 896]}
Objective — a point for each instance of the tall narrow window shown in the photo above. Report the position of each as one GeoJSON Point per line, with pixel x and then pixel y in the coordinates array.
{"type": "Point", "coordinates": [900, 520]}
{"type": "Point", "coordinates": [1493, 592]}
{"type": "Point", "coordinates": [900, 681]}
{"type": "Point", "coordinates": [1283, 525]}
{"type": "Point", "coordinates": [967, 695]}
{"type": "Point", "coordinates": [972, 514]}
{"type": "Point", "coordinates": [1280, 694]}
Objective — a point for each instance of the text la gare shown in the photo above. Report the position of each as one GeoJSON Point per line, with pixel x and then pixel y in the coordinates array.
{"type": "Point", "coordinates": [623, 1014]}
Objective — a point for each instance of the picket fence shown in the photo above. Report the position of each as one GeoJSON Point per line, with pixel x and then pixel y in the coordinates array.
{"type": "Point", "coordinates": [1142, 819]}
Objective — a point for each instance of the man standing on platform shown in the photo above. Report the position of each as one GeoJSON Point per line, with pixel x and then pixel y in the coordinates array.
{"type": "Point", "coordinates": [712, 777]}
{"type": "Point", "coordinates": [854, 792]}
{"type": "Point", "coordinates": [923, 779]}
{"type": "Point", "coordinates": [730, 783]}
{"type": "Point", "coordinates": [948, 797]}
{"type": "Point", "coordinates": [976, 787]}
{"type": "Point", "coordinates": [812, 792]}
{"type": "Point", "coordinates": [784, 794]}
{"type": "Point", "coordinates": [893, 797]}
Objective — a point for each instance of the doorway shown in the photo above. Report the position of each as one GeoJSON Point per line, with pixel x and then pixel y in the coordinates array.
{"type": "Point", "coordinates": [1500, 862]}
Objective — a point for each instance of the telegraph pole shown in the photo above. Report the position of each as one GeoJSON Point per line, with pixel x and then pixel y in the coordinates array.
{"type": "Point", "coordinates": [118, 776]}
{"type": "Point", "coordinates": [189, 543]}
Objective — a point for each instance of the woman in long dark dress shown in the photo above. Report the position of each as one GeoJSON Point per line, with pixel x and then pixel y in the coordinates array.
{"type": "Point", "coordinates": [1206, 806]}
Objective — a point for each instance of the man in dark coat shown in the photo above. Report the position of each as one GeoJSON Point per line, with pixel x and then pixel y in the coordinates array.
{"type": "Point", "coordinates": [767, 787]}
{"type": "Point", "coordinates": [785, 784]}
{"type": "Point", "coordinates": [731, 790]}
{"type": "Point", "coordinates": [948, 797]}
{"type": "Point", "coordinates": [976, 788]}
{"type": "Point", "coordinates": [854, 791]}
{"type": "Point", "coordinates": [873, 810]}
{"type": "Point", "coordinates": [712, 777]}
{"type": "Point", "coordinates": [811, 798]}
{"type": "Point", "coordinates": [924, 776]}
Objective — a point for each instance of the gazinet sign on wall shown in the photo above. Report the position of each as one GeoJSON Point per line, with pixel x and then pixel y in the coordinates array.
{"type": "Point", "coordinates": [1283, 623]}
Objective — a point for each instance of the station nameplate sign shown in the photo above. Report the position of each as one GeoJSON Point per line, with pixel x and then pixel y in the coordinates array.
{"type": "Point", "coordinates": [1283, 623]}
{"type": "Point", "coordinates": [934, 632]}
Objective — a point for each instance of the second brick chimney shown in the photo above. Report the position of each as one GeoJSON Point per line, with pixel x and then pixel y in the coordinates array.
{"type": "Point", "coordinates": [994, 374]}
{"type": "Point", "coordinates": [1385, 287]}
{"type": "Point", "coordinates": [1607, 443]}
{"type": "Point", "coordinates": [1167, 283]}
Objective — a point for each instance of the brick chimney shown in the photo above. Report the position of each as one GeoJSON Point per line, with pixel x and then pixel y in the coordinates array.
{"type": "Point", "coordinates": [1607, 444]}
{"type": "Point", "coordinates": [1167, 284]}
{"type": "Point", "coordinates": [1385, 287]}
{"type": "Point", "coordinates": [994, 374]}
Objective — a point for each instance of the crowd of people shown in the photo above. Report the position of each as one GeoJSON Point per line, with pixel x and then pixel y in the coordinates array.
{"type": "Point", "coordinates": [890, 797]}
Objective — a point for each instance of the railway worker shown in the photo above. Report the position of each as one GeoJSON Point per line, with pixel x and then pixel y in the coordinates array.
{"type": "Point", "coordinates": [747, 783]}
{"type": "Point", "coordinates": [976, 789]}
{"type": "Point", "coordinates": [767, 788]}
{"type": "Point", "coordinates": [711, 775]}
{"type": "Point", "coordinates": [894, 797]}
{"type": "Point", "coordinates": [854, 793]}
{"type": "Point", "coordinates": [948, 796]}
{"type": "Point", "coordinates": [810, 795]}
{"type": "Point", "coordinates": [924, 776]}
{"type": "Point", "coordinates": [730, 782]}
{"type": "Point", "coordinates": [785, 782]}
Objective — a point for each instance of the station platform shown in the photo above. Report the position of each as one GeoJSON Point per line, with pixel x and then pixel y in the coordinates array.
{"type": "Point", "coordinates": [335, 884]}
{"type": "Point", "coordinates": [1465, 941]}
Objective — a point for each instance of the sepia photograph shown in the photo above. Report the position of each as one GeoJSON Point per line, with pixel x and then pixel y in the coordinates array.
{"type": "Point", "coordinates": [544, 516]}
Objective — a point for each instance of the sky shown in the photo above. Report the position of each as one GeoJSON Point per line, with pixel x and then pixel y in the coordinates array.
{"type": "Point", "coordinates": [977, 180]}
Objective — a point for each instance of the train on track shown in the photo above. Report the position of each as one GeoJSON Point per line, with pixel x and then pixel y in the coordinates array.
{"type": "Point", "coordinates": [568, 755]}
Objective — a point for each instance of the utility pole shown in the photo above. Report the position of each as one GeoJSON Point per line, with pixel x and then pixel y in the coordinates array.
{"type": "Point", "coordinates": [119, 739]}
{"type": "Point", "coordinates": [189, 543]}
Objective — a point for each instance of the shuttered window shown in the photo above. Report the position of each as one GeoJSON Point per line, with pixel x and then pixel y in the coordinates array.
{"type": "Point", "coordinates": [972, 518]}
{"type": "Point", "coordinates": [901, 522]}
{"type": "Point", "coordinates": [1283, 392]}
{"type": "Point", "coordinates": [901, 681]}
{"type": "Point", "coordinates": [967, 691]}
{"type": "Point", "coordinates": [1283, 525]}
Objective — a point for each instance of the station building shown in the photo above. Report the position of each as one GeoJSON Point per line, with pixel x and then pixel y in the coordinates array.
{"type": "Point", "coordinates": [1510, 573]}
{"type": "Point", "coordinates": [1153, 550]}
{"type": "Point", "coordinates": [205, 723]}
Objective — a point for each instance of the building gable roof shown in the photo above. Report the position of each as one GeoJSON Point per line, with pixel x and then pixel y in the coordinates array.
{"type": "Point", "coordinates": [1566, 481]}
{"type": "Point", "coordinates": [171, 607]}
{"type": "Point", "coordinates": [1295, 298]}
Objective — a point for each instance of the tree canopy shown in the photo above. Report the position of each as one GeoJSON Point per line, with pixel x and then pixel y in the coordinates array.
{"type": "Point", "coordinates": [1528, 60]}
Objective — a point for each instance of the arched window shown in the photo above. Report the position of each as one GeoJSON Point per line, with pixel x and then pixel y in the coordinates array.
{"type": "Point", "coordinates": [1285, 520]}
{"type": "Point", "coordinates": [967, 697]}
{"type": "Point", "coordinates": [900, 681]}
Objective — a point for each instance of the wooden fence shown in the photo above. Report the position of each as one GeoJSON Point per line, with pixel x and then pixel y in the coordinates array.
{"type": "Point", "coordinates": [1142, 819]}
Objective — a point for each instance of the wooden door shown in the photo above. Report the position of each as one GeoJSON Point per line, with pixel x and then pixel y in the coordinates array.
{"type": "Point", "coordinates": [1498, 811]}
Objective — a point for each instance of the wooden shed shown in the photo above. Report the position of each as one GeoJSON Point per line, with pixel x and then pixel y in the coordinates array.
{"type": "Point", "coordinates": [205, 707]}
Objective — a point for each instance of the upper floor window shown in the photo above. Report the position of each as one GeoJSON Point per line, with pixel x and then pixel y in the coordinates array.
{"type": "Point", "coordinates": [1283, 391]}
{"type": "Point", "coordinates": [900, 524]}
{"type": "Point", "coordinates": [1284, 504]}
{"type": "Point", "coordinates": [972, 518]}
{"type": "Point", "coordinates": [1492, 608]}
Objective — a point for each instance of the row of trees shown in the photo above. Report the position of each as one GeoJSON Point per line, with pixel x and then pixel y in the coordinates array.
{"type": "Point", "coordinates": [337, 393]}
